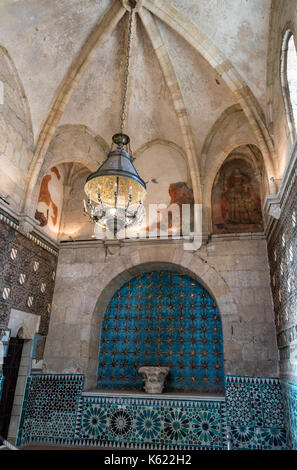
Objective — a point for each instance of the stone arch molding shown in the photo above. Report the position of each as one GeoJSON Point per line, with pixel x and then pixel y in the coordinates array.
{"type": "Point", "coordinates": [114, 275]}
{"type": "Point", "coordinates": [25, 322]}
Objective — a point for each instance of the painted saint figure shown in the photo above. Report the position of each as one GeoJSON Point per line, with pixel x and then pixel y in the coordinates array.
{"type": "Point", "coordinates": [239, 203]}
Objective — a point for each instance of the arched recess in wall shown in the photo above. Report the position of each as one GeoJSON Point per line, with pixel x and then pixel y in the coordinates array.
{"type": "Point", "coordinates": [59, 207]}
{"type": "Point", "coordinates": [166, 171]}
{"type": "Point", "coordinates": [162, 318]}
{"type": "Point", "coordinates": [238, 192]}
{"type": "Point", "coordinates": [16, 135]}
{"type": "Point", "coordinates": [288, 75]}
{"type": "Point", "coordinates": [74, 152]}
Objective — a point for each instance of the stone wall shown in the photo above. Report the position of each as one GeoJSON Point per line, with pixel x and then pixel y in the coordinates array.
{"type": "Point", "coordinates": [16, 139]}
{"type": "Point", "coordinates": [234, 270]}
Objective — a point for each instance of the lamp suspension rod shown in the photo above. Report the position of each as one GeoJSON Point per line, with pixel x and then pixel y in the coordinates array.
{"type": "Point", "coordinates": [123, 113]}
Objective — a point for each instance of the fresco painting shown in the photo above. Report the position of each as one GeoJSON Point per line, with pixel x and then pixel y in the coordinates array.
{"type": "Point", "coordinates": [50, 200]}
{"type": "Point", "coordinates": [236, 203]}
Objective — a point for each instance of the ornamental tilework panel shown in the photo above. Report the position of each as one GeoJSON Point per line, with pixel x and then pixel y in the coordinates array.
{"type": "Point", "coordinates": [27, 278]}
{"type": "Point", "coordinates": [138, 422]}
{"type": "Point", "coordinates": [255, 413]}
{"type": "Point", "coordinates": [167, 319]}
{"type": "Point", "coordinates": [50, 405]}
{"type": "Point", "coordinates": [55, 411]}
{"type": "Point", "coordinates": [290, 400]}
{"type": "Point", "coordinates": [282, 253]}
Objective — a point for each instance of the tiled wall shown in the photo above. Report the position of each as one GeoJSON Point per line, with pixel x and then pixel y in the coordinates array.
{"type": "Point", "coordinates": [255, 413]}
{"type": "Point", "coordinates": [50, 406]}
{"type": "Point", "coordinates": [143, 422]}
{"type": "Point", "coordinates": [162, 318]}
{"type": "Point", "coordinates": [282, 251]}
{"type": "Point", "coordinates": [290, 405]}
{"type": "Point", "coordinates": [27, 278]}
{"type": "Point", "coordinates": [56, 412]}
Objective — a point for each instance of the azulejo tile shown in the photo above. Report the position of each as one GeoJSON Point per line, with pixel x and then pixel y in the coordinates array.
{"type": "Point", "coordinates": [144, 422]}
{"type": "Point", "coordinates": [255, 413]}
{"type": "Point", "coordinates": [56, 411]}
{"type": "Point", "coordinates": [290, 405]}
{"type": "Point", "coordinates": [176, 426]}
{"type": "Point", "coordinates": [180, 328]}
{"type": "Point", "coordinates": [148, 424]}
{"type": "Point", "coordinates": [206, 427]}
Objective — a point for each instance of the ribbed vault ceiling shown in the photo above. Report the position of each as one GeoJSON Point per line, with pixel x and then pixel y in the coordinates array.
{"type": "Point", "coordinates": [190, 62]}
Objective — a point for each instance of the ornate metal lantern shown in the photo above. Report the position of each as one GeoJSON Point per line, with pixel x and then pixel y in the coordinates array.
{"type": "Point", "coordinates": [115, 191]}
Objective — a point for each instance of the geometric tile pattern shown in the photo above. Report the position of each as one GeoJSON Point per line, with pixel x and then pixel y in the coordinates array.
{"type": "Point", "coordinates": [162, 318]}
{"type": "Point", "coordinates": [50, 405]}
{"type": "Point", "coordinates": [290, 403]}
{"type": "Point", "coordinates": [20, 282]}
{"type": "Point", "coordinates": [141, 423]}
{"type": "Point", "coordinates": [282, 253]}
{"type": "Point", "coordinates": [55, 411]}
{"type": "Point", "coordinates": [255, 413]}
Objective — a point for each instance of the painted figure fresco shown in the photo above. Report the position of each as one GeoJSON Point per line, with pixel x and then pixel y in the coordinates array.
{"type": "Point", "coordinates": [171, 217]}
{"type": "Point", "coordinates": [49, 200]}
{"type": "Point", "coordinates": [236, 204]}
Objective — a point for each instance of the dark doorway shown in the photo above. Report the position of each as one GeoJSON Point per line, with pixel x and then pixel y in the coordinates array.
{"type": "Point", "coordinates": [10, 372]}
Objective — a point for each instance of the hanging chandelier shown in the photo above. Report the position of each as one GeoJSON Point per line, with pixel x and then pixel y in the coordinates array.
{"type": "Point", "coordinates": [115, 192]}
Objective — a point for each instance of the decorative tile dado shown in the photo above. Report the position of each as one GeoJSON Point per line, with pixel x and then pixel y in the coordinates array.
{"type": "Point", "coordinates": [290, 405]}
{"type": "Point", "coordinates": [50, 405]}
{"type": "Point", "coordinates": [57, 412]}
{"type": "Point", "coordinates": [255, 413]}
{"type": "Point", "coordinates": [145, 422]}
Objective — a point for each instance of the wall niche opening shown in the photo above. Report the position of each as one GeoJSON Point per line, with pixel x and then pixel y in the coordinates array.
{"type": "Point", "coordinates": [162, 318]}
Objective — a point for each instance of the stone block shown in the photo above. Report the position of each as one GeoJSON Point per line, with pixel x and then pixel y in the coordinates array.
{"type": "Point", "coordinates": [242, 332]}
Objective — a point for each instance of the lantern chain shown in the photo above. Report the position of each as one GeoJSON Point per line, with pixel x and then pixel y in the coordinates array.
{"type": "Point", "coordinates": [123, 113]}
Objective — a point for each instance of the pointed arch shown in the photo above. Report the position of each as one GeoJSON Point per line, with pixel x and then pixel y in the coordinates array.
{"type": "Point", "coordinates": [225, 69]}
{"type": "Point", "coordinates": [288, 77]}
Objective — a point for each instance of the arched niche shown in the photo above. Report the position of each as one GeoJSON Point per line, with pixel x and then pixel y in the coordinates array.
{"type": "Point", "coordinates": [162, 318]}
{"type": "Point", "coordinates": [288, 76]}
{"type": "Point", "coordinates": [237, 193]}
{"type": "Point", "coordinates": [71, 144]}
{"type": "Point", "coordinates": [59, 208]}
{"type": "Point", "coordinates": [112, 280]}
{"type": "Point", "coordinates": [163, 165]}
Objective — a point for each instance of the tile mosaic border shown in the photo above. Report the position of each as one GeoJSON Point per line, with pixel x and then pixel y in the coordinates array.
{"type": "Point", "coordinates": [118, 422]}
{"type": "Point", "coordinates": [153, 423]}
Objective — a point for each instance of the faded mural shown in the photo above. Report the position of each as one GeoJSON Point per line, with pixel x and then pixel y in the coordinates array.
{"type": "Point", "coordinates": [50, 201]}
{"type": "Point", "coordinates": [236, 203]}
{"type": "Point", "coordinates": [170, 217]}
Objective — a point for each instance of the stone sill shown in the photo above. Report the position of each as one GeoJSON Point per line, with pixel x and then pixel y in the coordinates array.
{"type": "Point", "coordinates": [160, 396]}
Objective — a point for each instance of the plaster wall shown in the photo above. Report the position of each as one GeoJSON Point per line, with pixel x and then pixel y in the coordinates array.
{"type": "Point", "coordinates": [234, 271]}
